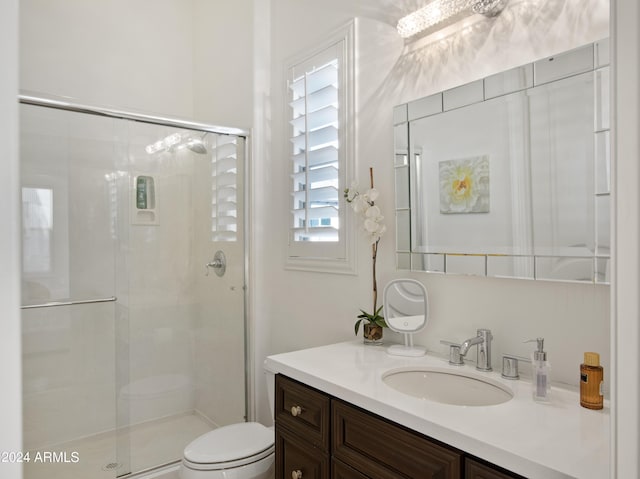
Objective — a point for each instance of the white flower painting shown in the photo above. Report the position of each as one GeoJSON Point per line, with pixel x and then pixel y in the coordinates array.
{"type": "Point", "coordinates": [464, 185]}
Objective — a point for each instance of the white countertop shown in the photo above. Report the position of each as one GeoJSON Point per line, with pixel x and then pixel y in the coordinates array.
{"type": "Point", "coordinates": [559, 439]}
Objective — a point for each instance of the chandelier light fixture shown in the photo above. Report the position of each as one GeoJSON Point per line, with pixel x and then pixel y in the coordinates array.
{"type": "Point", "coordinates": [439, 11]}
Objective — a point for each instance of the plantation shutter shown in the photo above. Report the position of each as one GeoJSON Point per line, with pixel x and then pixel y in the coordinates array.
{"type": "Point", "coordinates": [314, 90]}
{"type": "Point", "coordinates": [320, 105]}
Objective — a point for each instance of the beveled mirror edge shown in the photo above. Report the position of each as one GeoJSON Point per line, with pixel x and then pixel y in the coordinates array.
{"type": "Point", "coordinates": [590, 57]}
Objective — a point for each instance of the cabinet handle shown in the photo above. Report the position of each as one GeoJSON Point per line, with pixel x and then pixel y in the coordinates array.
{"type": "Point", "coordinates": [296, 411]}
{"type": "Point", "coordinates": [296, 474]}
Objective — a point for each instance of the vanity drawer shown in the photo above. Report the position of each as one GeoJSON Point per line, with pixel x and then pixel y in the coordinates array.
{"type": "Point", "coordinates": [382, 450]}
{"type": "Point", "coordinates": [303, 410]}
{"type": "Point", "coordinates": [294, 455]}
{"type": "Point", "coordinates": [477, 470]}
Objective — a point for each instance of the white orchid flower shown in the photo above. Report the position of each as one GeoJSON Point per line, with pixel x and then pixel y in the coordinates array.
{"type": "Point", "coordinates": [371, 226]}
{"type": "Point", "coordinates": [372, 194]}
{"type": "Point", "coordinates": [372, 212]}
{"type": "Point", "coordinates": [360, 204]}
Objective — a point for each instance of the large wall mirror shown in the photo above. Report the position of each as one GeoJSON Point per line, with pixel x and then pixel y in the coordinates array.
{"type": "Point", "coordinates": [509, 175]}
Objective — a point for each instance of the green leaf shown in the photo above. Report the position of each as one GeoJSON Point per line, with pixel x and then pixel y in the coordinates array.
{"type": "Point", "coordinates": [357, 326]}
{"type": "Point", "coordinates": [375, 318]}
{"type": "Point", "coordinates": [380, 322]}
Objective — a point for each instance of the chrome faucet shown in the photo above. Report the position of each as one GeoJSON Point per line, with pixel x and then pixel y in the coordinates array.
{"type": "Point", "coordinates": [483, 341]}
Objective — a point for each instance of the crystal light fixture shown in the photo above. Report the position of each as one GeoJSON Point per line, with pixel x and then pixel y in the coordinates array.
{"type": "Point", "coordinates": [439, 11]}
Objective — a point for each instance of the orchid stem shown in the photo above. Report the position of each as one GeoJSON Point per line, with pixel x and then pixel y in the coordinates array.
{"type": "Point", "coordinates": [374, 254]}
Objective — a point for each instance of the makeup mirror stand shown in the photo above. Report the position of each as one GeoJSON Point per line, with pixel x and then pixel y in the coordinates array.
{"type": "Point", "coordinates": [406, 310]}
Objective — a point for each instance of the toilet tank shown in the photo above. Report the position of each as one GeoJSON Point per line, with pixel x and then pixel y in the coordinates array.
{"type": "Point", "coordinates": [270, 377]}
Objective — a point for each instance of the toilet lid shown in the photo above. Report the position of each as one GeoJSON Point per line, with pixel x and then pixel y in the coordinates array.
{"type": "Point", "coordinates": [230, 443]}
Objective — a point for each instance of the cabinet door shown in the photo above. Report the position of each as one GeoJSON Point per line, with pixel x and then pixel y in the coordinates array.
{"type": "Point", "coordinates": [295, 455]}
{"type": "Point", "coordinates": [478, 470]}
{"type": "Point", "coordinates": [383, 450]}
{"type": "Point", "coordinates": [339, 470]}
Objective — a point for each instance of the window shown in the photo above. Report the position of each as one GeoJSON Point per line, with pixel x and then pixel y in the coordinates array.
{"type": "Point", "coordinates": [319, 114]}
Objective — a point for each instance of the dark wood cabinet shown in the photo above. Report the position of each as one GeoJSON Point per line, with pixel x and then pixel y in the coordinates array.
{"type": "Point", "coordinates": [478, 470]}
{"type": "Point", "coordinates": [339, 470]}
{"type": "Point", "coordinates": [302, 417]}
{"type": "Point", "coordinates": [321, 437]}
{"type": "Point", "coordinates": [295, 456]}
{"type": "Point", "coordinates": [381, 449]}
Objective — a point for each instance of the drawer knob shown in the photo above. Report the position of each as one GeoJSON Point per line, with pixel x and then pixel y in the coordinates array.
{"type": "Point", "coordinates": [296, 411]}
{"type": "Point", "coordinates": [296, 474]}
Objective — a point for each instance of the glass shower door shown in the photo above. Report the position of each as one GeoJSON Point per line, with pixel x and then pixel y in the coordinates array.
{"type": "Point", "coordinates": [68, 286]}
{"type": "Point", "coordinates": [185, 372]}
{"type": "Point", "coordinates": [132, 346]}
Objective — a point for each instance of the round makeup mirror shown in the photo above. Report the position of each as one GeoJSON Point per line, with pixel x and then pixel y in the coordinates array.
{"type": "Point", "coordinates": [406, 309]}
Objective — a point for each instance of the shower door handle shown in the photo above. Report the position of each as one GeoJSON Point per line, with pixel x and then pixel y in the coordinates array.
{"type": "Point", "coordinates": [218, 263]}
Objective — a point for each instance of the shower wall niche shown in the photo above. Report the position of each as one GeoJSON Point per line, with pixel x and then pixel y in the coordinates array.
{"type": "Point", "coordinates": [130, 349]}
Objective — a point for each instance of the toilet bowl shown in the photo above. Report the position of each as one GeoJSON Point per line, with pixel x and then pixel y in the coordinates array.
{"type": "Point", "coordinates": [239, 451]}
{"type": "Point", "coordinates": [244, 450]}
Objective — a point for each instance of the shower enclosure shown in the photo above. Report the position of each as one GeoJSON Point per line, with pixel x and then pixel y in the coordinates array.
{"type": "Point", "coordinates": [133, 336]}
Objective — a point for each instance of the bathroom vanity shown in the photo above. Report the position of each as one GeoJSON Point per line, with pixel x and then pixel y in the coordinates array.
{"type": "Point", "coordinates": [336, 417]}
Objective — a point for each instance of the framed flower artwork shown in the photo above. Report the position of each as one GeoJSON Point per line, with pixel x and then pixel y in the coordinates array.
{"type": "Point", "coordinates": [464, 185]}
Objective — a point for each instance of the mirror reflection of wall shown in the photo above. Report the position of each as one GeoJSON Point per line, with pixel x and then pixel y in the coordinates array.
{"type": "Point", "coordinates": [37, 225]}
{"type": "Point", "coordinates": [508, 176]}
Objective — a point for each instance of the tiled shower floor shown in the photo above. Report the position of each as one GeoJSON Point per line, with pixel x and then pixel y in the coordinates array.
{"type": "Point", "coordinates": [151, 444]}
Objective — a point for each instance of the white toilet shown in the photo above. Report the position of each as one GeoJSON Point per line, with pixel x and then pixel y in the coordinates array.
{"type": "Point", "coordinates": [239, 451]}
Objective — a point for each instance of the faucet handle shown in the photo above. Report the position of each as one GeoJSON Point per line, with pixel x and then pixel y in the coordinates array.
{"type": "Point", "coordinates": [510, 366]}
{"type": "Point", "coordinates": [455, 359]}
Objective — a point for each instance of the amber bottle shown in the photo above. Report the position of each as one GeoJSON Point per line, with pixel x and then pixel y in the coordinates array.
{"type": "Point", "coordinates": [591, 377]}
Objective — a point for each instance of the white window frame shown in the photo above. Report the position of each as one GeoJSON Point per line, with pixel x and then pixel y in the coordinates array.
{"type": "Point", "coordinates": [331, 256]}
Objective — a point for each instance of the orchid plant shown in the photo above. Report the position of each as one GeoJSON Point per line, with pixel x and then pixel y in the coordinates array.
{"type": "Point", "coordinates": [363, 204]}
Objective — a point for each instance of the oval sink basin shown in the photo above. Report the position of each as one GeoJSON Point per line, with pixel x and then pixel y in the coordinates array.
{"type": "Point", "coordinates": [447, 386]}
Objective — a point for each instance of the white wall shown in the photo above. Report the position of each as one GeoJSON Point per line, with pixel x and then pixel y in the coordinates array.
{"type": "Point", "coordinates": [223, 62]}
{"type": "Point", "coordinates": [10, 400]}
{"type": "Point", "coordinates": [626, 308]}
{"type": "Point", "coordinates": [308, 309]}
{"type": "Point", "coordinates": [173, 57]}
{"type": "Point", "coordinates": [261, 161]}
{"type": "Point", "coordinates": [130, 55]}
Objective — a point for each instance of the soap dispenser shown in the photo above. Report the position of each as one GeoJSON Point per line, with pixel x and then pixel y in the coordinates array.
{"type": "Point", "coordinates": [540, 380]}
